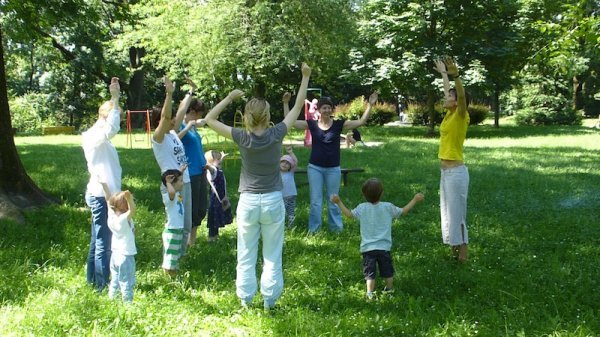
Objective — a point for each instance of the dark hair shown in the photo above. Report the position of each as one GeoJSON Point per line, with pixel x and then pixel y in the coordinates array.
{"type": "Point", "coordinates": [372, 190]}
{"type": "Point", "coordinates": [174, 173]}
{"type": "Point", "coordinates": [324, 101]}
{"type": "Point", "coordinates": [455, 93]}
{"type": "Point", "coordinates": [197, 105]}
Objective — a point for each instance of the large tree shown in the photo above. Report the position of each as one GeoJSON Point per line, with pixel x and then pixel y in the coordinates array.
{"type": "Point", "coordinates": [17, 190]}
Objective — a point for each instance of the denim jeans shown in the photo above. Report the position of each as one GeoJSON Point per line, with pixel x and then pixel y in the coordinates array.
{"type": "Point", "coordinates": [260, 215]}
{"type": "Point", "coordinates": [122, 269]}
{"type": "Point", "coordinates": [98, 262]}
{"type": "Point", "coordinates": [330, 177]}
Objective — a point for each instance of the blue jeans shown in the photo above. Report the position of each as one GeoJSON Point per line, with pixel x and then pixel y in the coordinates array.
{"type": "Point", "coordinates": [330, 177]}
{"type": "Point", "coordinates": [122, 269]}
{"type": "Point", "coordinates": [260, 215]}
{"type": "Point", "coordinates": [98, 262]}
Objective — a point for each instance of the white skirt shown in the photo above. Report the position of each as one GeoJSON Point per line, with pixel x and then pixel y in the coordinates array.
{"type": "Point", "coordinates": [454, 187]}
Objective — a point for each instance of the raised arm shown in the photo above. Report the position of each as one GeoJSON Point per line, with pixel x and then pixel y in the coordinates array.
{"type": "Point", "coordinates": [291, 153]}
{"type": "Point", "coordinates": [131, 204]}
{"type": "Point", "coordinates": [113, 120]}
{"type": "Point", "coordinates": [187, 128]}
{"type": "Point", "coordinates": [460, 90]}
{"type": "Point", "coordinates": [336, 200]}
{"type": "Point", "coordinates": [292, 116]}
{"type": "Point", "coordinates": [165, 115]}
{"type": "Point", "coordinates": [185, 103]}
{"type": "Point", "coordinates": [286, 110]}
{"type": "Point", "coordinates": [418, 197]}
{"type": "Point", "coordinates": [363, 120]}
{"type": "Point", "coordinates": [211, 118]}
{"type": "Point", "coordinates": [440, 67]}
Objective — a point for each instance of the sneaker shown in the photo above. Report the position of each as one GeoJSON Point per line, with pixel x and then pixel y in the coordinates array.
{"type": "Point", "coordinates": [370, 296]}
{"type": "Point", "coordinates": [246, 304]}
{"type": "Point", "coordinates": [268, 305]}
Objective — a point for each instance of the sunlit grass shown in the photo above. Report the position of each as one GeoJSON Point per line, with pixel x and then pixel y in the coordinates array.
{"type": "Point", "coordinates": [533, 219]}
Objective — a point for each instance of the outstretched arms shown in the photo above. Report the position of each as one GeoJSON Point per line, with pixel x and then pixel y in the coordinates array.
{"type": "Point", "coordinates": [211, 118]}
{"type": "Point", "coordinates": [353, 124]}
{"type": "Point", "coordinates": [292, 116]}
{"type": "Point", "coordinates": [165, 115]}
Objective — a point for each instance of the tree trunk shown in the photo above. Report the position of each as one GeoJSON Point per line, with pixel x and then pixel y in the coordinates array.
{"type": "Point", "coordinates": [496, 106]}
{"type": "Point", "coordinates": [17, 190]}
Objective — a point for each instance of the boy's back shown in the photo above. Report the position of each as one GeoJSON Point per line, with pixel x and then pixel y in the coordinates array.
{"type": "Point", "coordinates": [376, 224]}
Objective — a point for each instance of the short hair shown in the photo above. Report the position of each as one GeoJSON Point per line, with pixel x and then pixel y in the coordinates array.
{"type": "Point", "coordinates": [197, 105]}
{"type": "Point", "coordinates": [372, 190]}
{"type": "Point", "coordinates": [324, 101]}
{"type": "Point", "coordinates": [256, 113]}
{"type": "Point", "coordinates": [174, 173]}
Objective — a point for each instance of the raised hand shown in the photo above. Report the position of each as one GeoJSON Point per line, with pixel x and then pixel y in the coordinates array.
{"type": "Point", "coordinates": [289, 149]}
{"type": "Point", "coordinates": [191, 83]}
{"type": "Point", "coordinates": [114, 88]}
{"type": "Point", "coordinates": [169, 85]}
{"type": "Point", "coordinates": [286, 97]}
{"type": "Point", "coordinates": [235, 94]}
{"type": "Point", "coordinates": [305, 69]}
{"type": "Point", "coordinates": [373, 98]}
{"type": "Point", "coordinates": [440, 67]}
{"type": "Point", "coordinates": [451, 67]}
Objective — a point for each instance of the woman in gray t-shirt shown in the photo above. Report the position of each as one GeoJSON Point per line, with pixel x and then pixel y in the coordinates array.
{"type": "Point", "coordinates": [260, 211]}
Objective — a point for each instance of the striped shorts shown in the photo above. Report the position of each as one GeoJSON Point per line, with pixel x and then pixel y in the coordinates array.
{"type": "Point", "coordinates": [172, 244]}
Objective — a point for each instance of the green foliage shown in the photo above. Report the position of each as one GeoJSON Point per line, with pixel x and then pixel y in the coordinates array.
{"type": "Point", "coordinates": [418, 113]}
{"type": "Point", "coordinates": [381, 113]}
{"type": "Point", "coordinates": [26, 112]}
{"type": "Point", "coordinates": [478, 113]}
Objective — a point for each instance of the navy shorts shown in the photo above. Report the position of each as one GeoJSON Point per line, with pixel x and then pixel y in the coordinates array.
{"type": "Point", "coordinates": [374, 258]}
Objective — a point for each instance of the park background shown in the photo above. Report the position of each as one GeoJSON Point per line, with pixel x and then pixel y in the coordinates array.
{"type": "Point", "coordinates": [530, 67]}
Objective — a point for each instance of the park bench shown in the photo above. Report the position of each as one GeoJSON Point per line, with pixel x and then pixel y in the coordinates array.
{"type": "Point", "coordinates": [55, 130]}
{"type": "Point", "coordinates": [344, 171]}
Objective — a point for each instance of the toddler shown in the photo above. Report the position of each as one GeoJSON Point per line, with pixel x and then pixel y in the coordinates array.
{"type": "Point", "coordinates": [375, 219]}
{"type": "Point", "coordinates": [287, 166]}
{"type": "Point", "coordinates": [121, 209]}
{"type": "Point", "coordinates": [219, 207]}
{"type": "Point", "coordinates": [174, 228]}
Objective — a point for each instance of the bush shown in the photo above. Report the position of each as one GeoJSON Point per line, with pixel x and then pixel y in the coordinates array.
{"type": "Point", "coordinates": [381, 113]}
{"type": "Point", "coordinates": [26, 112]}
{"type": "Point", "coordinates": [478, 113]}
{"type": "Point", "coordinates": [540, 108]}
{"type": "Point", "coordinates": [418, 115]}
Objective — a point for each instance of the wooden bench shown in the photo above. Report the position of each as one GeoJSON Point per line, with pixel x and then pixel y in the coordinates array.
{"type": "Point", "coordinates": [344, 171]}
{"type": "Point", "coordinates": [55, 130]}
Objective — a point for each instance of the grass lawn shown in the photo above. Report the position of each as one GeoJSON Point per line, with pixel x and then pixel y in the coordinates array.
{"type": "Point", "coordinates": [534, 206]}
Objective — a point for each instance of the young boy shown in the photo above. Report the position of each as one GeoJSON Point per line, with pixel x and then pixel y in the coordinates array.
{"type": "Point", "coordinates": [173, 233]}
{"type": "Point", "coordinates": [121, 209]}
{"type": "Point", "coordinates": [375, 218]}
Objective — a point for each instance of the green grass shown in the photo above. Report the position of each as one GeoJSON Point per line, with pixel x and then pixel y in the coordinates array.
{"type": "Point", "coordinates": [534, 202]}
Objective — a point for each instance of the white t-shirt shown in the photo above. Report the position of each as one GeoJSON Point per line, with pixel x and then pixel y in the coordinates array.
{"type": "Point", "coordinates": [174, 209]}
{"type": "Point", "coordinates": [123, 238]}
{"type": "Point", "coordinates": [170, 154]}
{"type": "Point", "coordinates": [101, 156]}
{"type": "Point", "coordinates": [289, 184]}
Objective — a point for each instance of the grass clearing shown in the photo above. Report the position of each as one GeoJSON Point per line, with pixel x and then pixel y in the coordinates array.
{"type": "Point", "coordinates": [534, 202]}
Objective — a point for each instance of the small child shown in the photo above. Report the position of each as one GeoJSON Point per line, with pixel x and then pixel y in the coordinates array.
{"type": "Point", "coordinates": [219, 207]}
{"type": "Point", "coordinates": [174, 228]}
{"type": "Point", "coordinates": [375, 218]}
{"type": "Point", "coordinates": [287, 165]}
{"type": "Point", "coordinates": [121, 209]}
{"type": "Point", "coordinates": [354, 137]}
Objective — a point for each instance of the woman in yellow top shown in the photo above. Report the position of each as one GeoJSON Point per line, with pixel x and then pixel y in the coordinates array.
{"type": "Point", "coordinates": [454, 183]}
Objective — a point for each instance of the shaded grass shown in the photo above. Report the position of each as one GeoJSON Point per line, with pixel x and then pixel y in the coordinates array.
{"type": "Point", "coordinates": [533, 220]}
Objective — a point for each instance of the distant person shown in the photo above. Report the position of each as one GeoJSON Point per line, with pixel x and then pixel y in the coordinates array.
{"type": "Point", "coordinates": [287, 164]}
{"type": "Point", "coordinates": [260, 210]}
{"type": "Point", "coordinates": [219, 206]}
{"type": "Point", "coordinates": [192, 144]}
{"type": "Point", "coordinates": [324, 164]}
{"type": "Point", "coordinates": [104, 167]}
{"type": "Point", "coordinates": [353, 138]}
{"type": "Point", "coordinates": [454, 182]}
{"type": "Point", "coordinates": [375, 217]}
{"type": "Point", "coordinates": [121, 210]}
{"type": "Point", "coordinates": [173, 235]}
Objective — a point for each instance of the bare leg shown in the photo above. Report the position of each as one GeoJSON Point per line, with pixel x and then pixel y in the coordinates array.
{"type": "Point", "coordinates": [463, 251]}
{"type": "Point", "coordinates": [389, 283]}
{"type": "Point", "coordinates": [193, 236]}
